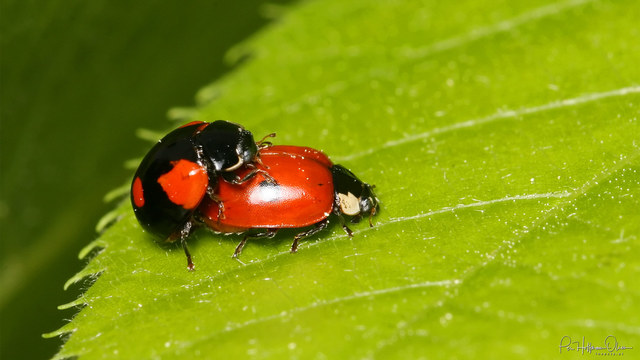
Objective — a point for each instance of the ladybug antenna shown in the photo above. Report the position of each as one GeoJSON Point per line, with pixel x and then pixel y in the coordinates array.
{"type": "Point", "coordinates": [264, 144]}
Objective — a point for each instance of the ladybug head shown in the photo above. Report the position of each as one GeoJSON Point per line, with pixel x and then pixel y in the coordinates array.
{"type": "Point", "coordinates": [353, 196]}
{"type": "Point", "coordinates": [369, 203]}
{"type": "Point", "coordinates": [227, 146]}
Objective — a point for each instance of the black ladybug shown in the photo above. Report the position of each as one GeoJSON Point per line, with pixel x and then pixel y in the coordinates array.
{"type": "Point", "coordinates": [183, 168]}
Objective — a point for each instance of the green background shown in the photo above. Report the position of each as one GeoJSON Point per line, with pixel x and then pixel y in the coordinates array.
{"type": "Point", "coordinates": [77, 79]}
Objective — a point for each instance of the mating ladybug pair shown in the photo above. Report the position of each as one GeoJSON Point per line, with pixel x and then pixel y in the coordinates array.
{"type": "Point", "coordinates": [215, 174]}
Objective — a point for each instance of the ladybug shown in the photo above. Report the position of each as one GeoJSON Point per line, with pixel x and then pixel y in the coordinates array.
{"type": "Point", "coordinates": [306, 190]}
{"type": "Point", "coordinates": [183, 168]}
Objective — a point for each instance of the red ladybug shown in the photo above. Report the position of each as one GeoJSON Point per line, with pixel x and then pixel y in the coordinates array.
{"type": "Point", "coordinates": [306, 190]}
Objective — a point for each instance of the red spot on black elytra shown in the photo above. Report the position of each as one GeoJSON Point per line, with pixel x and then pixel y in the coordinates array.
{"type": "Point", "coordinates": [185, 184]}
{"type": "Point", "coordinates": [138, 193]}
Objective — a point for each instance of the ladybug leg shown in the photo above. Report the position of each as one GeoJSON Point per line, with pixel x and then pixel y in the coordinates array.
{"type": "Point", "coordinates": [183, 234]}
{"type": "Point", "coordinates": [267, 234]}
{"type": "Point", "coordinates": [213, 184]}
{"type": "Point", "coordinates": [190, 265]}
{"type": "Point", "coordinates": [236, 180]}
{"type": "Point", "coordinates": [373, 212]}
{"type": "Point", "coordinates": [345, 227]}
{"type": "Point", "coordinates": [221, 211]}
{"type": "Point", "coordinates": [254, 171]}
{"type": "Point", "coordinates": [318, 227]}
{"type": "Point", "coordinates": [267, 177]}
{"type": "Point", "coordinates": [338, 213]}
{"type": "Point", "coordinates": [214, 197]}
{"type": "Point", "coordinates": [220, 204]}
{"type": "Point", "coordinates": [259, 161]}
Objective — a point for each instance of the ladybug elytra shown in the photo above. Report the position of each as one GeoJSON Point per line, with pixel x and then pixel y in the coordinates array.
{"type": "Point", "coordinates": [183, 168]}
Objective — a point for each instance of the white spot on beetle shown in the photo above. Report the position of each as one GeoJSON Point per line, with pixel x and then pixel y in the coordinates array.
{"type": "Point", "coordinates": [349, 204]}
{"type": "Point", "coordinates": [236, 166]}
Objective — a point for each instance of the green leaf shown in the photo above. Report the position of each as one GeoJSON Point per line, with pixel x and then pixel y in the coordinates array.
{"type": "Point", "coordinates": [503, 141]}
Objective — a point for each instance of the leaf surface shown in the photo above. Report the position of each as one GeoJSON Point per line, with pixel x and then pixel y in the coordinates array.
{"type": "Point", "coordinates": [502, 138]}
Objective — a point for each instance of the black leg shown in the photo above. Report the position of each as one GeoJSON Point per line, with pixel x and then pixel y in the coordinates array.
{"type": "Point", "coordinates": [190, 265]}
{"type": "Point", "coordinates": [214, 197]}
{"type": "Point", "coordinates": [254, 172]}
{"type": "Point", "coordinates": [183, 234]}
{"type": "Point", "coordinates": [338, 213]}
{"type": "Point", "coordinates": [318, 227]}
{"type": "Point", "coordinates": [267, 234]}
{"type": "Point", "coordinates": [259, 161]}
{"type": "Point", "coordinates": [347, 230]}
{"type": "Point", "coordinates": [236, 180]}
{"type": "Point", "coordinates": [221, 211]}
{"type": "Point", "coordinates": [343, 223]}
{"type": "Point", "coordinates": [373, 212]}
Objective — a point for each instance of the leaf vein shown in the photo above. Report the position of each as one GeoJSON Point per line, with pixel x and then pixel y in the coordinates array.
{"type": "Point", "coordinates": [499, 27]}
{"type": "Point", "coordinates": [231, 327]}
{"type": "Point", "coordinates": [581, 191]}
{"type": "Point", "coordinates": [500, 115]}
